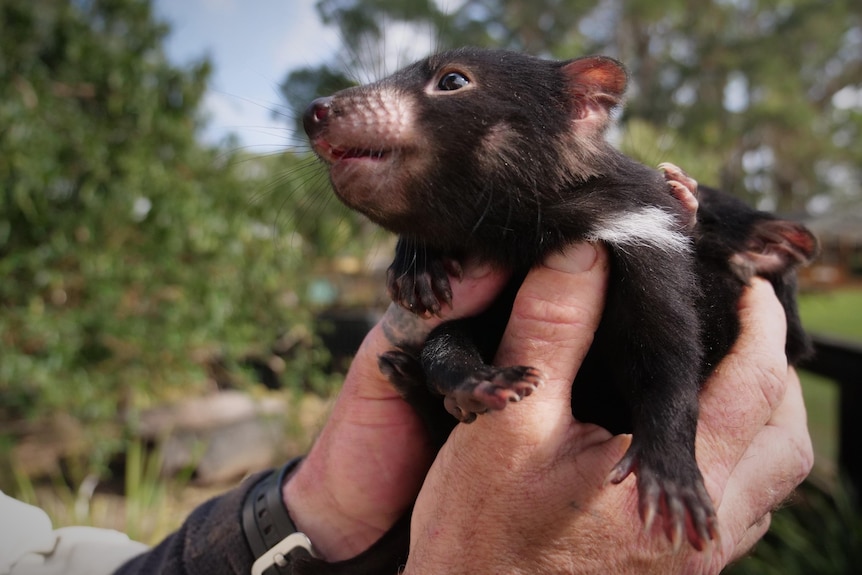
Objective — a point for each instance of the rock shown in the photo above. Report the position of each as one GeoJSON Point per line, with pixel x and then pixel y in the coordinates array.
{"type": "Point", "coordinates": [227, 435]}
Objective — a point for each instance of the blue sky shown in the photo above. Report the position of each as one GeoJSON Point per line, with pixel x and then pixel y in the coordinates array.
{"type": "Point", "coordinates": [252, 45]}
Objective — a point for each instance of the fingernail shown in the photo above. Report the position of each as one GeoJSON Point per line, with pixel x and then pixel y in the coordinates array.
{"type": "Point", "coordinates": [574, 259]}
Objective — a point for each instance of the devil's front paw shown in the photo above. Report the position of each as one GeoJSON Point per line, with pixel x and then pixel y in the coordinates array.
{"type": "Point", "coordinates": [674, 492]}
{"type": "Point", "coordinates": [422, 290]}
{"type": "Point", "coordinates": [491, 388]}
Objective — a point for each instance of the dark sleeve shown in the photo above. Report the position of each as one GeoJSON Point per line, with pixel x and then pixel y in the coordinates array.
{"type": "Point", "coordinates": [209, 542]}
{"type": "Point", "coordinates": [212, 542]}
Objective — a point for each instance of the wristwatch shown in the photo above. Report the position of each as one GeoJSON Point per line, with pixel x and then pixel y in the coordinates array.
{"type": "Point", "coordinates": [272, 536]}
{"type": "Point", "coordinates": [279, 549]}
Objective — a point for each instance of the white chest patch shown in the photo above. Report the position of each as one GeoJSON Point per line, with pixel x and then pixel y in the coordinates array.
{"type": "Point", "coordinates": [648, 227]}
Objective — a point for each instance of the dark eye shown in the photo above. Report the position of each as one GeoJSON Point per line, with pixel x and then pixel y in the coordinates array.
{"type": "Point", "coordinates": [452, 81]}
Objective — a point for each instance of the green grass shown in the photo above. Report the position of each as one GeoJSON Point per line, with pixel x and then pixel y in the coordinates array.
{"type": "Point", "coordinates": [821, 403]}
{"type": "Point", "coordinates": [837, 313]}
{"type": "Point", "coordinates": [146, 511]}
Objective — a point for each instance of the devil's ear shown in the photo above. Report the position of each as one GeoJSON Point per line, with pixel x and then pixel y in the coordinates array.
{"type": "Point", "coordinates": [597, 78]}
{"type": "Point", "coordinates": [775, 247]}
{"type": "Point", "coordinates": [596, 85]}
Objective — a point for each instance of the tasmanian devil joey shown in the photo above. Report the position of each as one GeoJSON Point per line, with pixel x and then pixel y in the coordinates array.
{"type": "Point", "coordinates": [501, 157]}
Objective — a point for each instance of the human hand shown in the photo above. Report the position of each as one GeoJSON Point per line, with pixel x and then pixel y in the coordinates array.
{"type": "Point", "coordinates": [366, 467]}
{"type": "Point", "coordinates": [524, 490]}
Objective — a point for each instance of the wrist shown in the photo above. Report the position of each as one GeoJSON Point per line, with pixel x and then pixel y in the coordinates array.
{"type": "Point", "coordinates": [316, 506]}
{"type": "Point", "coordinates": [366, 466]}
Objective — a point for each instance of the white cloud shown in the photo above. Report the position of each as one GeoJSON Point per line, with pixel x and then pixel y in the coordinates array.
{"type": "Point", "coordinates": [252, 46]}
{"type": "Point", "coordinates": [304, 41]}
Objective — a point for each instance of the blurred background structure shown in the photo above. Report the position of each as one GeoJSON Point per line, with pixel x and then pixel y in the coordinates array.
{"type": "Point", "coordinates": [170, 249]}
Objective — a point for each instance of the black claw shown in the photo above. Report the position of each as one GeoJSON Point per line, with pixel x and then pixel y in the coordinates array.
{"type": "Point", "coordinates": [673, 500]}
{"type": "Point", "coordinates": [421, 291]}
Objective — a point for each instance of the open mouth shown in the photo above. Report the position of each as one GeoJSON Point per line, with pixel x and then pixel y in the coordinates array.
{"type": "Point", "coordinates": [352, 153]}
{"type": "Point", "coordinates": [334, 154]}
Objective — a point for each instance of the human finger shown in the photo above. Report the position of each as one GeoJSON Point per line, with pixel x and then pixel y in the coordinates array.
{"type": "Point", "coordinates": [747, 386]}
{"type": "Point", "coordinates": [778, 459]}
{"type": "Point", "coordinates": [552, 324]}
{"type": "Point", "coordinates": [472, 291]}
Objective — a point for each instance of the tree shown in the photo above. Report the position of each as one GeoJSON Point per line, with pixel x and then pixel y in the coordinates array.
{"type": "Point", "coordinates": [127, 249]}
{"type": "Point", "coordinates": [761, 97]}
{"type": "Point", "coordinates": [752, 83]}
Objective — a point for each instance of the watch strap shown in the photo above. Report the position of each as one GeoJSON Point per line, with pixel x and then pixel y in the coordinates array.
{"type": "Point", "coordinates": [271, 533]}
{"type": "Point", "coordinates": [279, 549]}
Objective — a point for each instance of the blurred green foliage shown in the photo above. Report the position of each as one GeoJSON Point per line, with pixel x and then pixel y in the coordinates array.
{"type": "Point", "coordinates": [130, 252]}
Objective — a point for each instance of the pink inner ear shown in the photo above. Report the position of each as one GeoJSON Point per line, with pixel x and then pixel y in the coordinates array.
{"type": "Point", "coordinates": [790, 237]}
{"type": "Point", "coordinates": [772, 260]}
{"type": "Point", "coordinates": [776, 246]}
{"type": "Point", "coordinates": [597, 77]}
{"type": "Point", "coordinates": [804, 241]}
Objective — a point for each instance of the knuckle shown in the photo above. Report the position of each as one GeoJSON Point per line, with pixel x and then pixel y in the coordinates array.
{"type": "Point", "coordinates": [763, 374]}
{"type": "Point", "coordinates": [561, 317]}
{"type": "Point", "coordinates": [804, 451]}
{"type": "Point", "coordinates": [770, 383]}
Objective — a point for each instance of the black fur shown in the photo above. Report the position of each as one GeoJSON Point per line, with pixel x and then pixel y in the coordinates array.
{"type": "Point", "coordinates": [512, 166]}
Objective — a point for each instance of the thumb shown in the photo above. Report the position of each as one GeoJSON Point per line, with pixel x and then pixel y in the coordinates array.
{"type": "Point", "coordinates": [553, 321]}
